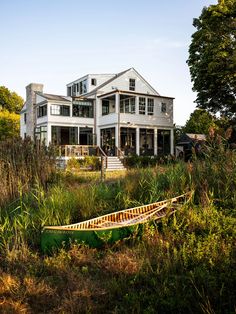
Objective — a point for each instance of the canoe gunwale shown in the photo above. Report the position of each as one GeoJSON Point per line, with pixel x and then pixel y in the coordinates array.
{"type": "Point", "coordinates": [169, 206]}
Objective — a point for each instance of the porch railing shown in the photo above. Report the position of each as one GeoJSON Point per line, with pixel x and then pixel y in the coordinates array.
{"type": "Point", "coordinates": [78, 150]}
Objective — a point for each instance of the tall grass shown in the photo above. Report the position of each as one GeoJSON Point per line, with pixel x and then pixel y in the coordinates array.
{"type": "Point", "coordinates": [22, 164]}
{"type": "Point", "coordinates": [185, 264]}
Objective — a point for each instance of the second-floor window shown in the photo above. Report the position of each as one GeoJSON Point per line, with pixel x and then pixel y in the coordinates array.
{"type": "Point", "coordinates": [150, 107]}
{"type": "Point", "coordinates": [132, 84]}
{"type": "Point", "coordinates": [60, 110]}
{"type": "Point", "coordinates": [42, 111]}
{"type": "Point", "coordinates": [142, 105]}
{"type": "Point", "coordinates": [93, 82]}
{"type": "Point", "coordinates": [163, 107]}
{"type": "Point", "coordinates": [127, 105]}
{"type": "Point", "coordinates": [83, 109]}
{"type": "Point", "coordinates": [105, 107]}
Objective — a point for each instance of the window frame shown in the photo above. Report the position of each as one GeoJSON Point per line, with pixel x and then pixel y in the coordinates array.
{"type": "Point", "coordinates": [163, 107]}
{"type": "Point", "coordinates": [142, 105]}
{"type": "Point", "coordinates": [61, 111]}
{"type": "Point", "coordinates": [150, 106]}
{"type": "Point", "coordinates": [132, 84]}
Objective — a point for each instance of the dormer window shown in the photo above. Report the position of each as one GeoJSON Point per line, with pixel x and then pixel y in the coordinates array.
{"type": "Point", "coordinates": [93, 82]}
{"type": "Point", "coordinates": [132, 84]}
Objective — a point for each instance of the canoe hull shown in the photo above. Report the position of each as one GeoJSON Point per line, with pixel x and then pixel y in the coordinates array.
{"type": "Point", "coordinates": [52, 239]}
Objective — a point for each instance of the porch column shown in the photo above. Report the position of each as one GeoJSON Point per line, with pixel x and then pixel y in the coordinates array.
{"type": "Point", "coordinates": [117, 110]}
{"type": "Point", "coordinates": [97, 113]}
{"type": "Point", "coordinates": [136, 105]}
{"type": "Point", "coordinates": [49, 134]}
{"type": "Point", "coordinates": [78, 136]}
{"type": "Point", "coordinates": [155, 141]}
{"type": "Point", "coordinates": [172, 141]}
{"type": "Point", "coordinates": [137, 141]}
{"type": "Point", "coordinates": [117, 134]}
{"type": "Point", "coordinates": [117, 103]}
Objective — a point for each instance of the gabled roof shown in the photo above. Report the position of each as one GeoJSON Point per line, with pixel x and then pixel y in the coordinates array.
{"type": "Point", "coordinates": [54, 97]}
{"type": "Point", "coordinates": [105, 83]}
{"type": "Point", "coordinates": [196, 137]}
{"type": "Point", "coordinates": [114, 78]}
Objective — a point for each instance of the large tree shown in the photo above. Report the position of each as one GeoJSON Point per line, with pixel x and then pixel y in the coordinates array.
{"type": "Point", "coordinates": [10, 100]}
{"type": "Point", "coordinates": [200, 122]}
{"type": "Point", "coordinates": [212, 58]}
{"type": "Point", "coordinates": [9, 125]}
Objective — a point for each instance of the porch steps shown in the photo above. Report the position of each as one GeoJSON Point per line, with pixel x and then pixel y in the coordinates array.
{"type": "Point", "coordinates": [114, 164]}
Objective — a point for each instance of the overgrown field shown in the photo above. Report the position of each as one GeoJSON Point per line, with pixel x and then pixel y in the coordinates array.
{"type": "Point", "coordinates": [185, 264]}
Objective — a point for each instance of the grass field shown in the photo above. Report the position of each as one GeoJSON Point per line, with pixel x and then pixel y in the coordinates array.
{"type": "Point", "coordinates": [185, 264]}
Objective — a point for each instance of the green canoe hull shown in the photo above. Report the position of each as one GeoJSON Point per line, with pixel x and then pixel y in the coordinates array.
{"type": "Point", "coordinates": [52, 239]}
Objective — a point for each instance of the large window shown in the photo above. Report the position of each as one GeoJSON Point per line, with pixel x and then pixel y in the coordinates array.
{"type": "Point", "coordinates": [40, 133]}
{"type": "Point", "coordinates": [127, 104]}
{"type": "Point", "coordinates": [146, 142]}
{"type": "Point", "coordinates": [42, 111]}
{"type": "Point", "coordinates": [132, 84]}
{"type": "Point", "coordinates": [142, 105]}
{"type": "Point", "coordinates": [60, 110]}
{"type": "Point", "coordinates": [64, 135]}
{"type": "Point", "coordinates": [150, 106]}
{"type": "Point", "coordinates": [105, 107]}
{"type": "Point", "coordinates": [163, 142]}
{"type": "Point", "coordinates": [83, 109]}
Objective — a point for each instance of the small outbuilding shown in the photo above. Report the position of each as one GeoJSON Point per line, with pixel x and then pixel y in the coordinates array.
{"type": "Point", "coordinates": [188, 142]}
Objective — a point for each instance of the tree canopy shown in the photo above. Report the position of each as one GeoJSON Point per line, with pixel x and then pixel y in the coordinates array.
{"type": "Point", "coordinates": [9, 125]}
{"type": "Point", "coordinates": [10, 100]}
{"type": "Point", "coordinates": [199, 122]}
{"type": "Point", "coordinates": [212, 58]}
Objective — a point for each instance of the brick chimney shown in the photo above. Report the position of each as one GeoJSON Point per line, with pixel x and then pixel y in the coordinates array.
{"type": "Point", "coordinates": [31, 107]}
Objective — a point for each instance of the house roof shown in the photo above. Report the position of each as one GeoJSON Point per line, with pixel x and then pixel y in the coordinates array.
{"type": "Point", "coordinates": [55, 97]}
{"type": "Point", "coordinates": [133, 93]}
{"type": "Point", "coordinates": [196, 137]}
{"type": "Point", "coordinates": [114, 78]}
{"type": "Point", "coordinates": [105, 83]}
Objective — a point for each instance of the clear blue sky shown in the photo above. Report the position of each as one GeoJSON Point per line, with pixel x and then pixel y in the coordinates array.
{"type": "Point", "coordinates": [57, 41]}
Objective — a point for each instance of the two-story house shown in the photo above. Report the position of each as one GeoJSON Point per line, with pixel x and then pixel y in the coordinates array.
{"type": "Point", "coordinates": [113, 111]}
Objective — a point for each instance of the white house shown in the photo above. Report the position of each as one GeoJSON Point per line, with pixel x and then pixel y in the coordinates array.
{"type": "Point", "coordinates": [113, 111]}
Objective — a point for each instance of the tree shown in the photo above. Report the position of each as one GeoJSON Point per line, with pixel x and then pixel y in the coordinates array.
{"type": "Point", "coordinates": [199, 122]}
{"type": "Point", "coordinates": [10, 100]}
{"type": "Point", "coordinates": [9, 125]}
{"type": "Point", "coordinates": [212, 58]}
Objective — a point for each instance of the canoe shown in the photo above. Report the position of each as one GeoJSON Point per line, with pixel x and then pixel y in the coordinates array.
{"type": "Point", "coordinates": [111, 227]}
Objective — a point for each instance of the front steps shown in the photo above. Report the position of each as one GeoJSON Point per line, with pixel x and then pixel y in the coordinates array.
{"type": "Point", "coordinates": [114, 164]}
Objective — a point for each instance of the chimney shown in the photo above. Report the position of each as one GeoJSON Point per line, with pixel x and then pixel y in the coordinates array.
{"type": "Point", "coordinates": [30, 104]}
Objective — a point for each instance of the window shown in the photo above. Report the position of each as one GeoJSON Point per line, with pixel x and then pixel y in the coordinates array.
{"type": "Point", "coordinates": [163, 142]}
{"type": "Point", "coordinates": [60, 110]}
{"type": "Point", "coordinates": [131, 84]}
{"type": "Point", "coordinates": [142, 105]}
{"type": "Point", "coordinates": [163, 107]}
{"type": "Point", "coordinates": [82, 87]}
{"type": "Point", "coordinates": [40, 133]}
{"type": "Point", "coordinates": [105, 107]}
{"type": "Point", "coordinates": [127, 104]}
{"type": "Point", "coordinates": [93, 82]}
{"type": "Point", "coordinates": [42, 111]}
{"type": "Point", "coordinates": [150, 107]}
{"type": "Point", "coordinates": [25, 118]}
{"type": "Point", "coordinates": [69, 91]}
{"type": "Point", "coordinates": [83, 109]}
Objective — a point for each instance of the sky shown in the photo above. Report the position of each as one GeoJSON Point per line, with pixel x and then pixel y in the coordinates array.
{"type": "Point", "coordinates": [54, 42]}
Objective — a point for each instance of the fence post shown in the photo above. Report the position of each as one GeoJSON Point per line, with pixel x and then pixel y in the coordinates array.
{"type": "Point", "coordinates": [103, 169]}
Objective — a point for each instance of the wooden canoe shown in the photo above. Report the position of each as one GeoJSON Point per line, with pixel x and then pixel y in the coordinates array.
{"type": "Point", "coordinates": [111, 227]}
